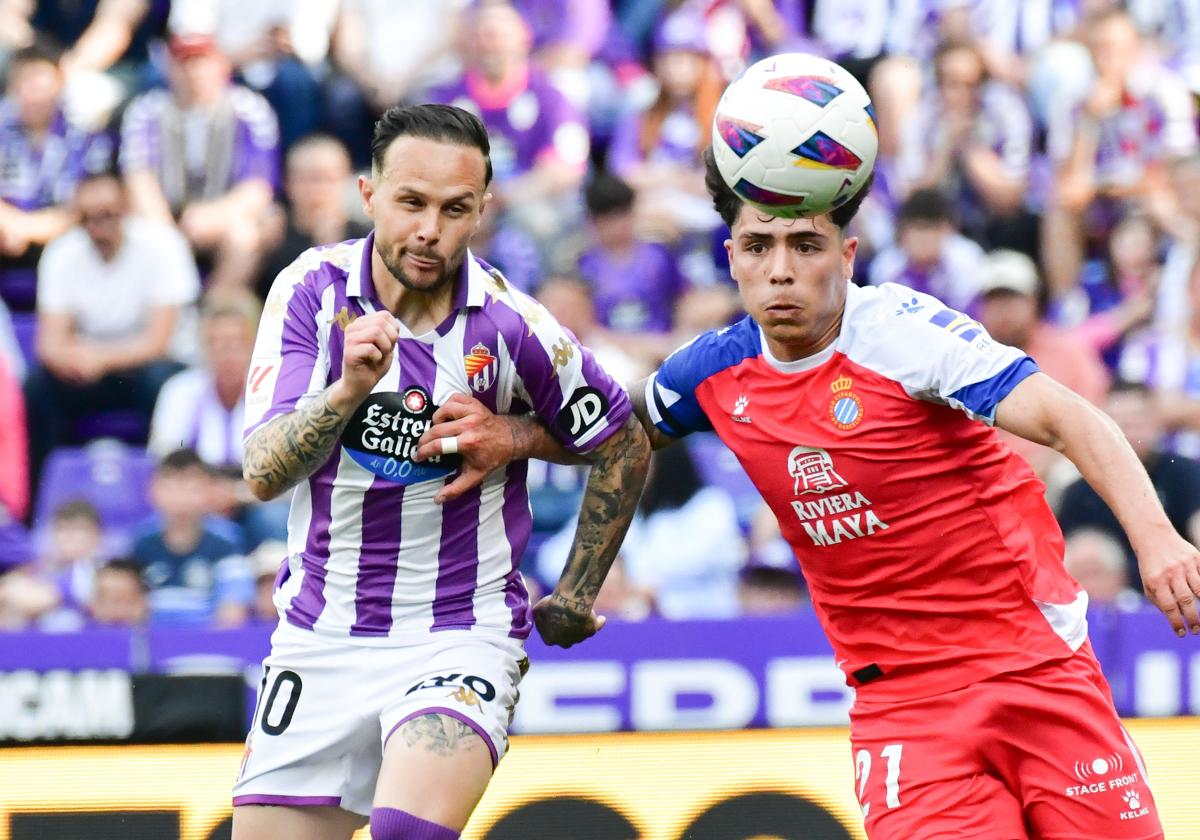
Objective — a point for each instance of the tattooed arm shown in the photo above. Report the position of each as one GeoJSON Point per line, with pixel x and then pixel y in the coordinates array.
{"type": "Point", "coordinates": [619, 465]}
{"type": "Point", "coordinates": [293, 446]}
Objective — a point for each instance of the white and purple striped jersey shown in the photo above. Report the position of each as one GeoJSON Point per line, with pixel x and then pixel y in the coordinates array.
{"type": "Point", "coordinates": [371, 557]}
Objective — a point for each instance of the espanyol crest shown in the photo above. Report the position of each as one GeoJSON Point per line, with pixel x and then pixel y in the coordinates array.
{"type": "Point", "coordinates": [481, 368]}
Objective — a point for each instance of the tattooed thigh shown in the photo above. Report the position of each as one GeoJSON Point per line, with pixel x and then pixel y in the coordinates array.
{"type": "Point", "coordinates": [440, 734]}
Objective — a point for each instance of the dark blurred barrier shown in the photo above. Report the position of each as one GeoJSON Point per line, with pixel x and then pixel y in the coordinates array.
{"type": "Point", "coordinates": [655, 675]}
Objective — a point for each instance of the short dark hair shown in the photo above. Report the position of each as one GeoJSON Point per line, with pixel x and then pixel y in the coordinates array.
{"type": "Point", "coordinates": [606, 193]}
{"type": "Point", "coordinates": [1122, 385]}
{"type": "Point", "coordinates": [128, 566]}
{"type": "Point", "coordinates": [77, 509]}
{"type": "Point", "coordinates": [40, 51]}
{"type": "Point", "coordinates": [181, 460]}
{"type": "Point", "coordinates": [928, 206]}
{"type": "Point", "coordinates": [728, 205]}
{"type": "Point", "coordinates": [445, 123]}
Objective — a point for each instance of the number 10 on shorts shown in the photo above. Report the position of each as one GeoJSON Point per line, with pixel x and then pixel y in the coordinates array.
{"type": "Point", "coordinates": [862, 770]}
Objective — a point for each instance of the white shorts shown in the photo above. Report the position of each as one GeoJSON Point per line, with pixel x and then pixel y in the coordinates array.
{"type": "Point", "coordinates": [326, 709]}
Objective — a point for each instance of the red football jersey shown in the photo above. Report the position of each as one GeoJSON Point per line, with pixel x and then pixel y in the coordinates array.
{"type": "Point", "coordinates": [931, 555]}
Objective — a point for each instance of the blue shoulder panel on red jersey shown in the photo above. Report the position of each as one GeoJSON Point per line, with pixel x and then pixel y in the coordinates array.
{"type": "Point", "coordinates": [672, 398]}
{"type": "Point", "coordinates": [981, 398]}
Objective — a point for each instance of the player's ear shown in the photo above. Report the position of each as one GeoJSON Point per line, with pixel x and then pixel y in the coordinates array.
{"type": "Point", "coordinates": [849, 250]}
{"type": "Point", "coordinates": [729, 255]}
{"type": "Point", "coordinates": [366, 190]}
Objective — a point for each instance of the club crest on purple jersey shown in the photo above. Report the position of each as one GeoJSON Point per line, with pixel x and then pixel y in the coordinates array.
{"type": "Point", "coordinates": [740, 136]}
{"type": "Point", "coordinates": [814, 89]}
{"type": "Point", "coordinates": [481, 367]}
{"type": "Point", "coordinates": [382, 437]}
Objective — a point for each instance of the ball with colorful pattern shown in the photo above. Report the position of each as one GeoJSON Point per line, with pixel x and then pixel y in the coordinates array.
{"type": "Point", "coordinates": [795, 135]}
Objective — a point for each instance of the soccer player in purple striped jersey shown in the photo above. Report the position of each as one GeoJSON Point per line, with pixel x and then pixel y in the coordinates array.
{"type": "Point", "coordinates": [393, 674]}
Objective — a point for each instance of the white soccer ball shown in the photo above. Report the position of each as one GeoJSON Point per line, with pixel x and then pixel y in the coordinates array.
{"type": "Point", "coordinates": [795, 135]}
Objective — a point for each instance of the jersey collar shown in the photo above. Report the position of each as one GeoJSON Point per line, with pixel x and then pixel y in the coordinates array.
{"type": "Point", "coordinates": [798, 365]}
{"type": "Point", "coordinates": [470, 288]}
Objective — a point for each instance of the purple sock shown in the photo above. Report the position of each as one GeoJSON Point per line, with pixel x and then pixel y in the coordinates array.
{"type": "Point", "coordinates": [394, 824]}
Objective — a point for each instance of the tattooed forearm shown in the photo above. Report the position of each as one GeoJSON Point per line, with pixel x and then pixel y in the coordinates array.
{"type": "Point", "coordinates": [614, 486]}
{"type": "Point", "coordinates": [291, 447]}
{"type": "Point", "coordinates": [530, 439]}
{"type": "Point", "coordinates": [439, 734]}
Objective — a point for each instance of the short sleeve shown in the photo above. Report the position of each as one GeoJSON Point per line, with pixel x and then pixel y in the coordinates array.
{"type": "Point", "coordinates": [943, 356]}
{"type": "Point", "coordinates": [568, 389]}
{"type": "Point", "coordinates": [257, 143]}
{"type": "Point", "coordinates": [139, 147]}
{"type": "Point", "coordinates": [671, 391]}
{"type": "Point", "coordinates": [289, 362]}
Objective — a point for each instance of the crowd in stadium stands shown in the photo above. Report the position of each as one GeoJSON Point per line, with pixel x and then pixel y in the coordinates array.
{"type": "Point", "coordinates": [161, 161]}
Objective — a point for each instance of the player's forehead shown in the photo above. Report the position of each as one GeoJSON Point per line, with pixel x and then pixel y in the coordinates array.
{"type": "Point", "coordinates": [434, 168]}
{"type": "Point", "coordinates": [754, 223]}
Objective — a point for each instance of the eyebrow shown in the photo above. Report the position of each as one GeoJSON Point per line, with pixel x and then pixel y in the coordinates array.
{"type": "Point", "coordinates": [790, 236]}
{"type": "Point", "coordinates": [465, 195]}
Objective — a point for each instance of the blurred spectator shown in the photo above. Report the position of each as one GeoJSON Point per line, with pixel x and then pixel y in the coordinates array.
{"type": "Point", "coordinates": [658, 150]}
{"type": "Point", "coordinates": [204, 153]}
{"type": "Point", "coordinates": [266, 561]}
{"type": "Point", "coordinates": [43, 155]}
{"type": "Point", "coordinates": [196, 576]}
{"type": "Point", "coordinates": [75, 551]}
{"type": "Point", "coordinates": [684, 547]}
{"type": "Point", "coordinates": [318, 175]}
{"type": "Point", "coordinates": [930, 255]}
{"type": "Point", "coordinates": [16, 28]}
{"type": "Point", "coordinates": [1113, 148]}
{"type": "Point", "coordinates": [1098, 563]}
{"type": "Point", "coordinates": [1167, 360]}
{"type": "Point", "coordinates": [1118, 294]}
{"type": "Point", "coordinates": [570, 300]}
{"type": "Point", "coordinates": [110, 48]}
{"type": "Point", "coordinates": [1009, 311]}
{"type": "Point", "coordinates": [634, 283]}
{"type": "Point", "coordinates": [566, 35]}
{"type": "Point", "coordinates": [387, 53]}
{"type": "Point", "coordinates": [1176, 479]}
{"type": "Point", "coordinates": [14, 448]}
{"type": "Point", "coordinates": [770, 583]}
{"type": "Point", "coordinates": [971, 137]}
{"type": "Point", "coordinates": [509, 249]}
{"type": "Point", "coordinates": [94, 354]}
{"type": "Point", "coordinates": [202, 408]}
{"type": "Point", "coordinates": [1182, 249]}
{"type": "Point", "coordinates": [767, 590]}
{"type": "Point", "coordinates": [120, 596]}
{"type": "Point", "coordinates": [24, 597]}
{"type": "Point", "coordinates": [276, 47]}
{"type": "Point", "coordinates": [539, 141]}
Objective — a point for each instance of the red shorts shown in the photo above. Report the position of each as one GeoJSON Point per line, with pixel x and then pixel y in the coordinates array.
{"type": "Point", "coordinates": [1034, 755]}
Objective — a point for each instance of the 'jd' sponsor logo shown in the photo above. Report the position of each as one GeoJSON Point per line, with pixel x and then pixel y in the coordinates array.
{"type": "Point", "coordinates": [382, 437]}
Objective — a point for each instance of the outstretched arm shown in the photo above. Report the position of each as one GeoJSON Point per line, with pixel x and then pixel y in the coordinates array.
{"type": "Point", "coordinates": [488, 441]}
{"type": "Point", "coordinates": [618, 473]}
{"type": "Point", "coordinates": [1041, 410]}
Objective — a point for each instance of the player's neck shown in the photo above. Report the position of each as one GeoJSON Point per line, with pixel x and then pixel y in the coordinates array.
{"type": "Point", "coordinates": [418, 310]}
{"type": "Point", "coordinates": [795, 350]}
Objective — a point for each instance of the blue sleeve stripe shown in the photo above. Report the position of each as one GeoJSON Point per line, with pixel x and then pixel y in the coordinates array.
{"type": "Point", "coordinates": [981, 398]}
{"type": "Point", "coordinates": [676, 426]}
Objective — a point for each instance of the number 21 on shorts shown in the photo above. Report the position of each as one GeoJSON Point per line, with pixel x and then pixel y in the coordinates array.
{"type": "Point", "coordinates": [892, 754]}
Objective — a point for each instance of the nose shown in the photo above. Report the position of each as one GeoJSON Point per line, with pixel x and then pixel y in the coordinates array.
{"type": "Point", "coordinates": [780, 268]}
{"type": "Point", "coordinates": [429, 229]}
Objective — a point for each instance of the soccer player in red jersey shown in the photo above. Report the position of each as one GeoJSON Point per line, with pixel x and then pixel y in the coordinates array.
{"type": "Point", "coordinates": [864, 416]}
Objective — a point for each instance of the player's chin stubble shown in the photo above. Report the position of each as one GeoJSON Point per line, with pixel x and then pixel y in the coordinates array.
{"type": "Point", "coordinates": [396, 269]}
